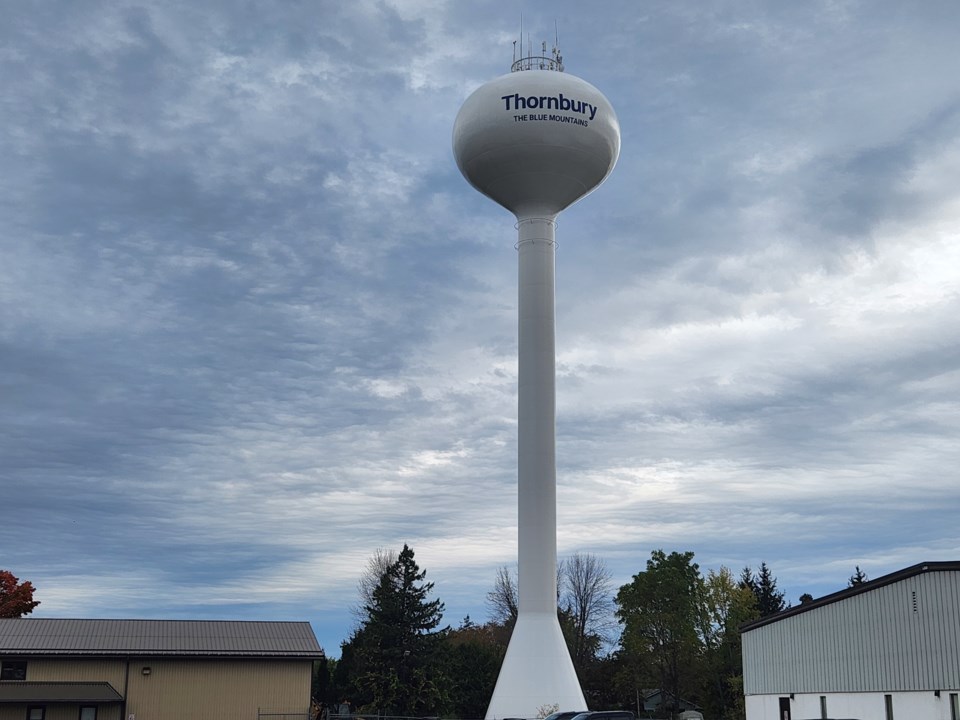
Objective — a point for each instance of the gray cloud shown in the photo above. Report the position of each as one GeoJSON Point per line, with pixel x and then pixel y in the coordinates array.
{"type": "Point", "coordinates": [254, 324]}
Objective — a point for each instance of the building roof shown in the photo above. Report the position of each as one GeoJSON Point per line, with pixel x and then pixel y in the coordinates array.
{"type": "Point", "coordinates": [181, 638]}
{"type": "Point", "coordinates": [58, 692]}
{"type": "Point", "coordinates": [864, 587]}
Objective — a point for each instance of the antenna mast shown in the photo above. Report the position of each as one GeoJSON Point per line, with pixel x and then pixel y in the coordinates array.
{"type": "Point", "coordinates": [542, 61]}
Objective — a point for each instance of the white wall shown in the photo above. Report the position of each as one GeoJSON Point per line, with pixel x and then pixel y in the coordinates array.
{"type": "Point", "coordinates": [862, 706]}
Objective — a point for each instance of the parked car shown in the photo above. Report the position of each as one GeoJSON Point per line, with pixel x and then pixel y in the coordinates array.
{"type": "Point", "coordinates": [565, 715]}
{"type": "Point", "coordinates": [606, 715]}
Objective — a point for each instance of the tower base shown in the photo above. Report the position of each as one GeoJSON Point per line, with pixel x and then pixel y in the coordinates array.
{"type": "Point", "coordinates": [537, 672]}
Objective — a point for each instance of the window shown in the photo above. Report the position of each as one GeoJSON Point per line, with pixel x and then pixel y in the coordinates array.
{"type": "Point", "coordinates": [88, 712]}
{"type": "Point", "coordinates": [888, 704]}
{"type": "Point", "coordinates": [36, 712]}
{"type": "Point", "coordinates": [13, 670]}
{"type": "Point", "coordinates": [823, 707]}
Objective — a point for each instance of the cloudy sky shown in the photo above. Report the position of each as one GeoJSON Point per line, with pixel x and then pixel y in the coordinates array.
{"type": "Point", "coordinates": [254, 324]}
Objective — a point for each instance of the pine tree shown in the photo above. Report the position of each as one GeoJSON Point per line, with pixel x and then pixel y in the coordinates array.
{"type": "Point", "coordinates": [858, 578]}
{"type": "Point", "coordinates": [764, 587]}
{"type": "Point", "coordinates": [397, 647]}
{"type": "Point", "coordinates": [769, 599]}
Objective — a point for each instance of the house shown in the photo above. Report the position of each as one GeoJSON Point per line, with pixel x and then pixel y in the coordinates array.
{"type": "Point", "coordinates": [155, 669]}
{"type": "Point", "coordinates": [654, 700]}
{"type": "Point", "coordinates": [887, 649]}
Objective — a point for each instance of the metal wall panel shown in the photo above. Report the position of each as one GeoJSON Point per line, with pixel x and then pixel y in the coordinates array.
{"type": "Point", "coordinates": [899, 637]}
{"type": "Point", "coordinates": [217, 689]}
{"type": "Point", "coordinates": [78, 670]}
{"type": "Point", "coordinates": [181, 689]}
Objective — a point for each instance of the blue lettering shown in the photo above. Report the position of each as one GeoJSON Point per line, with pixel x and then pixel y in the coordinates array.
{"type": "Point", "coordinates": [517, 102]}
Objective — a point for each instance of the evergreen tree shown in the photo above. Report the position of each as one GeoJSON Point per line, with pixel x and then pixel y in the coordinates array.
{"type": "Point", "coordinates": [747, 580]}
{"type": "Point", "coordinates": [769, 599]}
{"type": "Point", "coordinates": [393, 658]}
{"type": "Point", "coordinates": [858, 578]}
{"type": "Point", "coordinates": [764, 587]}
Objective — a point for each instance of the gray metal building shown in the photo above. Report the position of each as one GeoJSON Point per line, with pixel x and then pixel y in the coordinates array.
{"type": "Point", "coordinates": [888, 649]}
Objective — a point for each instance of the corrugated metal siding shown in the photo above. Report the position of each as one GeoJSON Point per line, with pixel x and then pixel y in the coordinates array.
{"type": "Point", "coordinates": [77, 670]}
{"type": "Point", "coordinates": [218, 690]}
{"type": "Point", "coordinates": [866, 643]}
{"type": "Point", "coordinates": [189, 689]}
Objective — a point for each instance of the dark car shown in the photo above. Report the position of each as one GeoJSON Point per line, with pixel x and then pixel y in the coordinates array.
{"type": "Point", "coordinates": [565, 715]}
{"type": "Point", "coordinates": [606, 715]}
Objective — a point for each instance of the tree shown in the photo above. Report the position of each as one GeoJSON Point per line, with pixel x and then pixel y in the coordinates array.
{"type": "Point", "coordinates": [504, 600]}
{"type": "Point", "coordinates": [586, 598]}
{"type": "Point", "coordinates": [473, 655]}
{"type": "Point", "coordinates": [769, 599]}
{"type": "Point", "coordinates": [393, 658]}
{"type": "Point", "coordinates": [660, 611]}
{"type": "Point", "coordinates": [725, 606]}
{"type": "Point", "coordinates": [764, 586]}
{"type": "Point", "coordinates": [747, 580]}
{"type": "Point", "coordinates": [16, 598]}
{"type": "Point", "coordinates": [377, 565]}
{"type": "Point", "coordinates": [806, 598]}
{"type": "Point", "coordinates": [858, 578]}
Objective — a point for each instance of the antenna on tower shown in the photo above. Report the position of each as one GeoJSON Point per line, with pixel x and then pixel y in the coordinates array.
{"type": "Point", "coordinates": [521, 34]}
{"type": "Point", "coordinates": [528, 61]}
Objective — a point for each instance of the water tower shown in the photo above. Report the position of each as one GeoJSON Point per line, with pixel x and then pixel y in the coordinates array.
{"type": "Point", "coordinates": [535, 141]}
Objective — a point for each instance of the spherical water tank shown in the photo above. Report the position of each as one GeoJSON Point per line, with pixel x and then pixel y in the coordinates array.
{"type": "Point", "coordinates": [536, 141]}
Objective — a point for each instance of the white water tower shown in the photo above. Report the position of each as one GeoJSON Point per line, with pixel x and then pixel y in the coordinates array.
{"type": "Point", "coordinates": [535, 141]}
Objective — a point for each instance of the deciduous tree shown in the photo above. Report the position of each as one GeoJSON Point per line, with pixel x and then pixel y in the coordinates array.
{"type": "Point", "coordinates": [725, 606]}
{"type": "Point", "coordinates": [587, 598]}
{"type": "Point", "coordinates": [660, 610]}
{"type": "Point", "coordinates": [377, 565]}
{"type": "Point", "coordinates": [473, 656]}
{"type": "Point", "coordinates": [16, 598]}
{"type": "Point", "coordinates": [504, 600]}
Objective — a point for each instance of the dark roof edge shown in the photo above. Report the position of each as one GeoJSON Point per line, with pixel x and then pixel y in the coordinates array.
{"type": "Point", "coordinates": [166, 620]}
{"type": "Point", "coordinates": [867, 586]}
{"type": "Point", "coordinates": [168, 654]}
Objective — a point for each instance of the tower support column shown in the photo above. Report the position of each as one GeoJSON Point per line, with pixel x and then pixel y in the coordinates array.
{"type": "Point", "coordinates": [537, 671]}
{"type": "Point", "coordinates": [537, 413]}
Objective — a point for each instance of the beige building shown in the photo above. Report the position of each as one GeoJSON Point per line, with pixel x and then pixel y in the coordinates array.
{"type": "Point", "coordinates": [155, 669]}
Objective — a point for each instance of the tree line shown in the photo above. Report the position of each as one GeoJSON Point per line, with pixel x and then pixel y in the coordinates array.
{"type": "Point", "coordinates": [671, 629]}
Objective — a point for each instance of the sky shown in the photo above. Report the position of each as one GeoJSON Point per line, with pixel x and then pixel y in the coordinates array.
{"type": "Point", "coordinates": [255, 325]}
